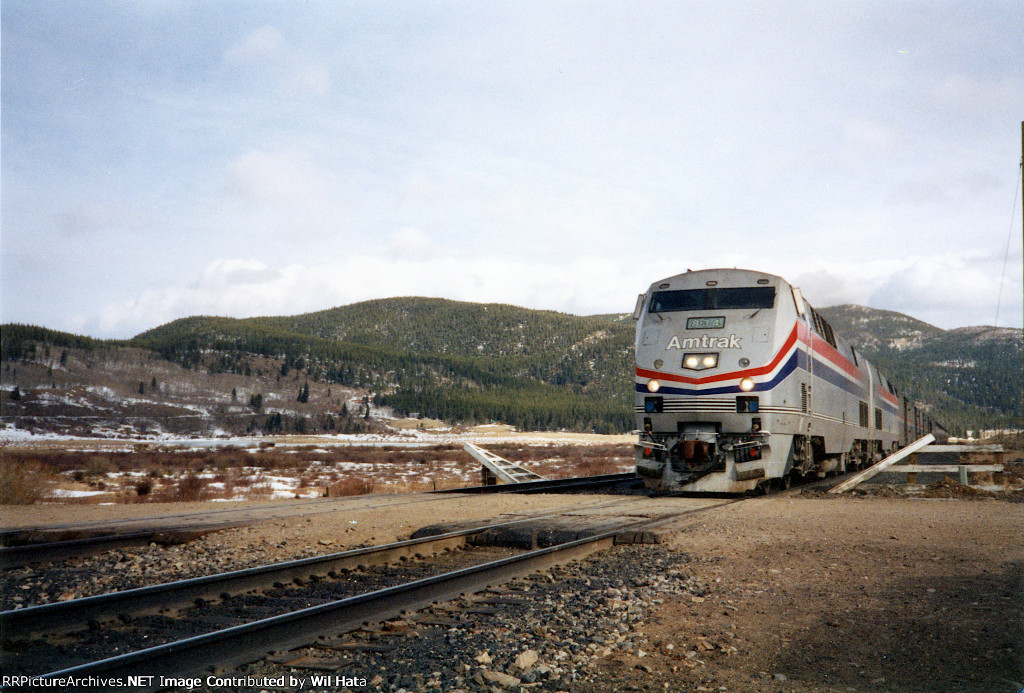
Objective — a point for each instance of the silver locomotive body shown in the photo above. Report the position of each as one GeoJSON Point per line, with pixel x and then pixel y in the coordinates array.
{"type": "Point", "coordinates": [740, 383]}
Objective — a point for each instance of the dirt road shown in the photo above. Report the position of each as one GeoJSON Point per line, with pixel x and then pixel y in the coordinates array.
{"type": "Point", "coordinates": [843, 594]}
{"type": "Point", "coordinates": [783, 593]}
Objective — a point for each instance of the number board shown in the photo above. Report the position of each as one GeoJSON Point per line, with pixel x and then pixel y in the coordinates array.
{"type": "Point", "coordinates": [705, 323]}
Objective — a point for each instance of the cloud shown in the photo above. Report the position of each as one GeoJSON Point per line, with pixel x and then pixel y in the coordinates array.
{"type": "Point", "coordinates": [245, 287]}
{"type": "Point", "coordinates": [943, 289]}
{"type": "Point", "coordinates": [96, 216]}
{"type": "Point", "coordinates": [534, 154]}
{"type": "Point", "coordinates": [410, 242]}
{"type": "Point", "coordinates": [265, 56]}
{"type": "Point", "coordinates": [962, 91]}
{"type": "Point", "coordinates": [261, 178]}
{"type": "Point", "coordinates": [281, 196]}
{"type": "Point", "coordinates": [584, 285]}
{"type": "Point", "coordinates": [224, 274]}
{"type": "Point", "coordinates": [311, 77]}
{"type": "Point", "coordinates": [260, 44]}
{"type": "Point", "coordinates": [948, 290]}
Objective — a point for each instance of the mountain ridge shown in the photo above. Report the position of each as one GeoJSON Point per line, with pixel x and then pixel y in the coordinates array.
{"type": "Point", "coordinates": [471, 362]}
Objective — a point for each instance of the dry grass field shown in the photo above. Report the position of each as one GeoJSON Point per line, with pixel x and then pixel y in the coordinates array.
{"type": "Point", "coordinates": [153, 473]}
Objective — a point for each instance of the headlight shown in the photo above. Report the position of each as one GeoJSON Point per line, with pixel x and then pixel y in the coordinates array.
{"type": "Point", "coordinates": [700, 362]}
{"type": "Point", "coordinates": [653, 385]}
{"type": "Point", "coordinates": [747, 384]}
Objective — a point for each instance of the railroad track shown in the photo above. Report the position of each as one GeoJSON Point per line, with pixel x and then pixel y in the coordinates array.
{"type": "Point", "coordinates": [27, 546]}
{"type": "Point", "coordinates": [577, 484]}
{"type": "Point", "coordinates": [60, 617]}
{"type": "Point", "coordinates": [246, 642]}
{"type": "Point", "coordinates": [30, 545]}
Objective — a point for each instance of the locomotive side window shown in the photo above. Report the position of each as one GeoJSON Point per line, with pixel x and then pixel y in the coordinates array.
{"type": "Point", "coordinates": [830, 336]}
{"type": "Point", "coordinates": [743, 298]}
{"type": "Point", "coordinates": [822, 327]}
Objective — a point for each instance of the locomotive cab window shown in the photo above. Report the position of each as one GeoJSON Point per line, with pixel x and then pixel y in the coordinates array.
{"type": "Point", "coordinates": [740, 298]}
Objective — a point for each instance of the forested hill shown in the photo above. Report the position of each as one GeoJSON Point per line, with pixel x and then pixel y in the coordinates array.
{"type": "Point", "coordinates": [972, 375]}
{"type": "Point", "coordinates": [439, 358]}
{"type": "Point", "coordinates": [472, 363]}
{"type": "Point", "coordinates": [414, 325]}
{"type": "Point", "coordinates": [541, 369]}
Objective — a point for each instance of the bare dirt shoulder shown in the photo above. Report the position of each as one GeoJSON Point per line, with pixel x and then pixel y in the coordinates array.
{"type": "Point", "coordinates": [784, 594]}
{"type": "Point", "coordinates": [843, 594]}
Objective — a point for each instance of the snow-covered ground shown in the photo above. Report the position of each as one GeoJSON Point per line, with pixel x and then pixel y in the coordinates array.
{"type": "Point", "coordinates": [319, 467]}
{"type": "Point", "coordinates": [488, 433]}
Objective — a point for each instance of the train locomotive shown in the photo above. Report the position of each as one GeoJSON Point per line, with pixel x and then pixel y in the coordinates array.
{"type": "Point", "coordinates": [741, 386]}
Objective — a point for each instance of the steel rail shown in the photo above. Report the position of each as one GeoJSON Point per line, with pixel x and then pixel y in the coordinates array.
{"type": "Point", "coordinates": [29, 554]}
{"type": "Point", "coordinates": [83, 526]}
{"type": "Point", "coordinates": [15, 556]}
{"type": "Point", "coordinates": [555, 485]}
{"type": "Point", "coordinates": [231, 647]}
{"type": "Point", "coordinates": [311, 506]}
{"type": "Point", "coordinates": [60, 617]}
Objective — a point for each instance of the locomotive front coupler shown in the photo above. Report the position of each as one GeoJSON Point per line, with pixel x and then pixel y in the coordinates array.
{"type": "Point", "coordinates": [649, 448]}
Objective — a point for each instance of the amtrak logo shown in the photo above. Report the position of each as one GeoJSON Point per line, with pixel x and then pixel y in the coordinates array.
{"type": "Point", "coordinates": [705, 342]}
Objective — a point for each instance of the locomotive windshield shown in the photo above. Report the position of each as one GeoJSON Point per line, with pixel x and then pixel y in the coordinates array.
{"type": "Point", "coordinates": [748, 297]}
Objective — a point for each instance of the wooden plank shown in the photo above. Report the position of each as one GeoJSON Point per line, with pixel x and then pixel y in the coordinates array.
{"type": "Point", "coordinates": [889, 461]}
{"type": "Point", "coordinates": [962, 448]}
{"type": "Point", "coordinates": [499, 467]}
{"type": "Point", "coordinates": [946, 468]}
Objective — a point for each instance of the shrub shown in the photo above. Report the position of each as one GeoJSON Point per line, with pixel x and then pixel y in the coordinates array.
{"type": "Point", "coordinates": [352, 486]}
{"type": "Point", "coordinates": [97, 465]}
{"type": "Point", "coordinates": [259, 489]}
{"type": "Point", "coordinates": [21, 484]}
{"type": "Point", "coordinates": [190, 488]}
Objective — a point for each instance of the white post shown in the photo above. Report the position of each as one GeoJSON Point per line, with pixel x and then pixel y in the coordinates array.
{"type": "Point", "coordinates": [883, 465]}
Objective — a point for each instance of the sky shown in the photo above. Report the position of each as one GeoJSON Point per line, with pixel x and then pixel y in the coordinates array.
{"type": "Point", "coordinates": [163, 159]}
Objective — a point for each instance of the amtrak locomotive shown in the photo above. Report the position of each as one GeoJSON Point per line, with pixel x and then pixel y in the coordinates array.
{"type": "Point", "coordinates": [741, 385]}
